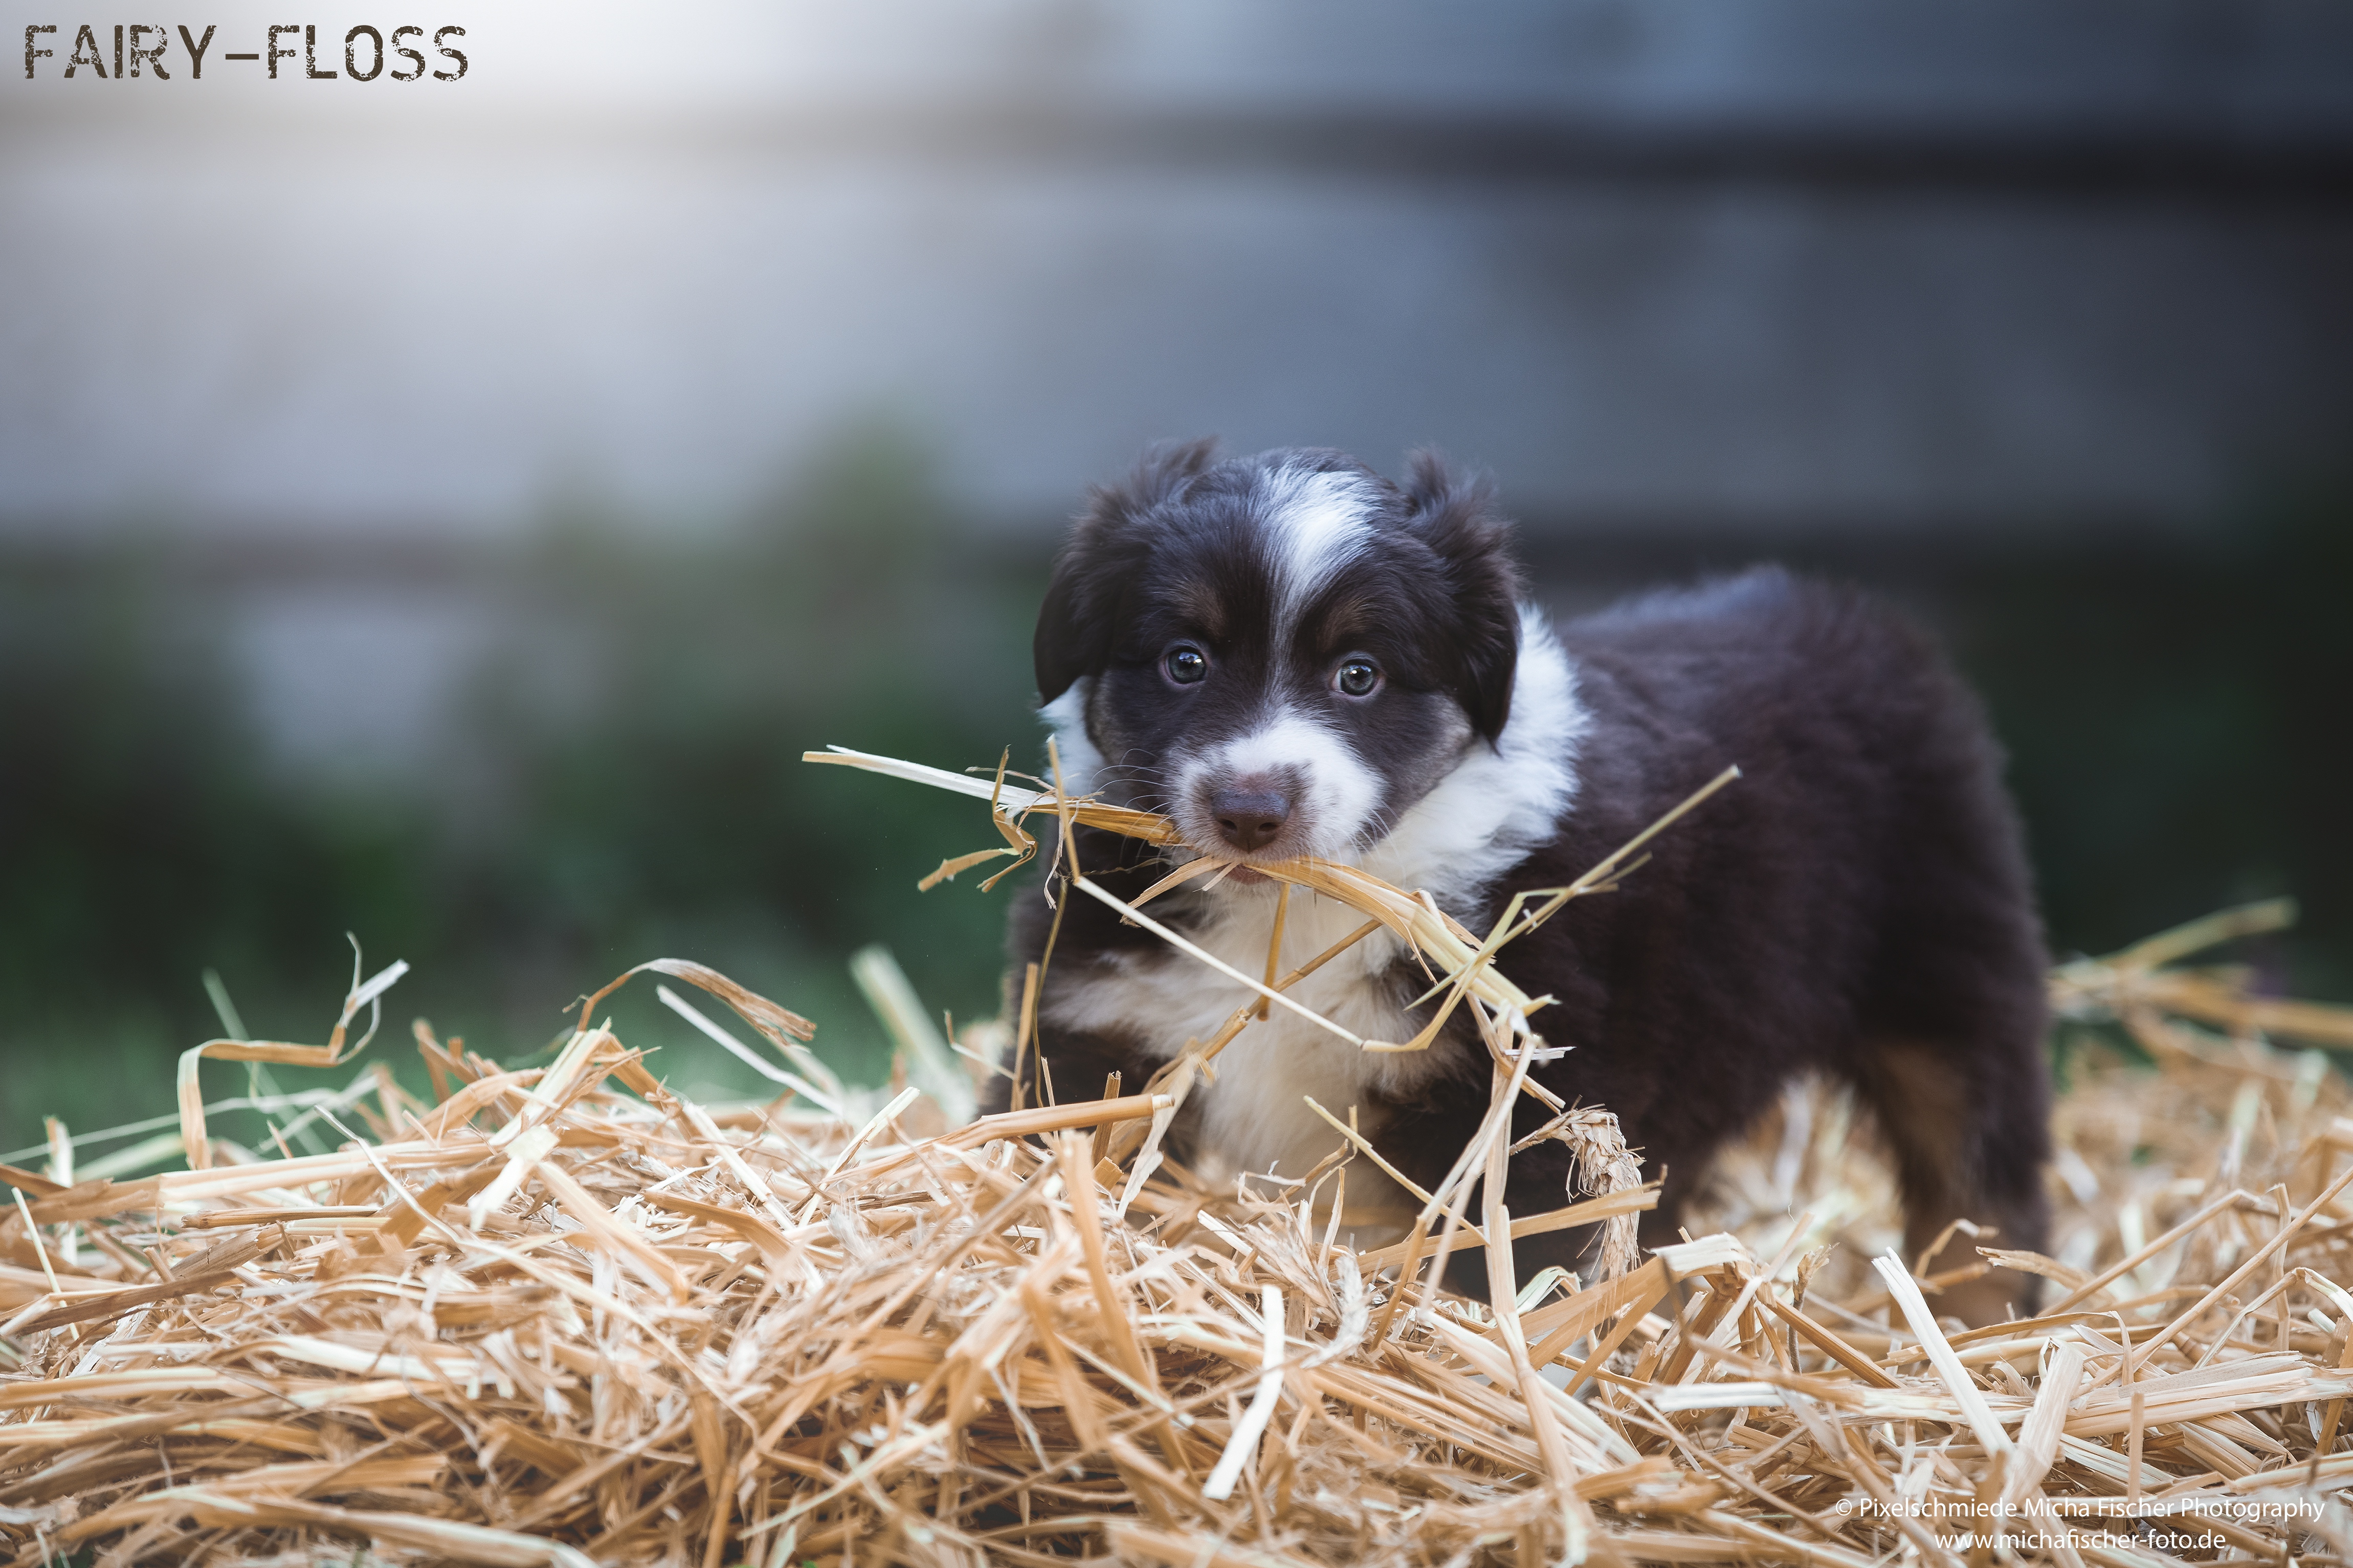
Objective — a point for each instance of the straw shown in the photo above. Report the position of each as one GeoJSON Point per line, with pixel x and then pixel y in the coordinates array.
{"type": "Point", "coordinates": [569, 1316]}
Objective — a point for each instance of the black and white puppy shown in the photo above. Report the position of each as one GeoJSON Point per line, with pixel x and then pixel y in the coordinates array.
{"type": "Point", "coordinates": [1288, 654]}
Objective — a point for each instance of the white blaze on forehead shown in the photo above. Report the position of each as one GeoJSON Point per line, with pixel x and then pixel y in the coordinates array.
{"type": "Point", "coordinates": [1315, 524]}
{"type": "Point", "coordinates": [1337, 793]}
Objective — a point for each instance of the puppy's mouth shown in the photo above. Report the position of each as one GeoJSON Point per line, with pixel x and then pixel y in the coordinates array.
{"type": "Point", "coordinates": [1218, 865]}
{"type": "Point", "coordinates": [1240, 867]}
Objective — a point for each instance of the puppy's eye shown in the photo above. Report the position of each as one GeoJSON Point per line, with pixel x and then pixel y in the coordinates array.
{"type": "Point", "coordinates": [1185, 665]}
{"type": "Point", "coordinates": [1356, 677]}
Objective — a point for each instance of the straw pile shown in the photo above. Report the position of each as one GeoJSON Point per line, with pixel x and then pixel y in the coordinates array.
{"type": "Point", "coordinates": [565, 1316]}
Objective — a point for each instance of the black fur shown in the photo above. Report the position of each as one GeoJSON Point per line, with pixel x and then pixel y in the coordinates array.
{"type": "Point", "coordinates": [1858, 904]}
{"type": "Point", "coordinates": [1093, 577]}
{"type": "Point", "coordinates": [1459, 523]}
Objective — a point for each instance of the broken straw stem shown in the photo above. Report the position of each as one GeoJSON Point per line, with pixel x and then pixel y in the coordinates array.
{"type": "Point", "coordinates": [35, 1232]}
{"type": "Point", "coordinates": [793, 1081]}
{"type": "Point", "coordinates": [1252, 1425]}
{"type": "Point", "coordinates": [1974, 1409]}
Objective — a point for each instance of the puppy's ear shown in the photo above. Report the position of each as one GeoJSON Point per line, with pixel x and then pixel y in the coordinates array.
{"type": "Point", "coordinates": [1456, 516]}
{"type": "Point", "coordinates": [1107, 546]}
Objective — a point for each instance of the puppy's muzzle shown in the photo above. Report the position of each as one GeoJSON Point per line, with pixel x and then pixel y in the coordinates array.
{"type": "Point", "coordinates": [1250, 816]}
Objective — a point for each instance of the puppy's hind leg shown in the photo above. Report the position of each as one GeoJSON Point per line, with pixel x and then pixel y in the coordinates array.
{"type": "Point", "coordinates": [1969, 1133]}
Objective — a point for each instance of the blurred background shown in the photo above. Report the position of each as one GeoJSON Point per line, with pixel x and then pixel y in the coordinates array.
{"type": "Point", "coordinates": [444, 511]}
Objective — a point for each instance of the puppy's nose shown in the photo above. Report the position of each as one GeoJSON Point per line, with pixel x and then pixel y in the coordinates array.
{"type": "Point", "coordinates": [1249, 818]}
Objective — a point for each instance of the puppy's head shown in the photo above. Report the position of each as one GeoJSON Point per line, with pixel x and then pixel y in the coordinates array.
{"type": "Point", "coordinates": [1284, 652]}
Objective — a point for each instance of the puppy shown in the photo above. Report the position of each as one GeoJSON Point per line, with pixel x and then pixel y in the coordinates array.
{"type": "Point", "coordinates": [1288, 654]}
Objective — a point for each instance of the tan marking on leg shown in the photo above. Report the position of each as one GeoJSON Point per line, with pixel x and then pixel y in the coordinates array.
{"type": "Point", "coordinates": [1925, 1111]}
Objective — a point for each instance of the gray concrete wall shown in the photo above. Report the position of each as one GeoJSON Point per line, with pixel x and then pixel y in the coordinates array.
{"type": "Point", "coordinates": [1753, 267]}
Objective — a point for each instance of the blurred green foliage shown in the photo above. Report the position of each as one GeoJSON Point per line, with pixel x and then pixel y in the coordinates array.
{"type": "Point", "coordinates": [625, 780]}
{"type": "Point", "coordinates": [627, 785]}
{"type": "Point", "coordinates": [2180, 727]}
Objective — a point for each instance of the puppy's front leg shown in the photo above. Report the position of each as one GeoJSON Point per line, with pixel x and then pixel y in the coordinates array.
{"type": "Point", "coordinates": [1063, 1066]}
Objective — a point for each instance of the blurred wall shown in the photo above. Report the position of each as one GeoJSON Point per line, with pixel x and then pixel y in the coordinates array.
{"type": "Point", "coordinates": [1792, 262]}
{"type": "Point", "coordinates": [444, 510]}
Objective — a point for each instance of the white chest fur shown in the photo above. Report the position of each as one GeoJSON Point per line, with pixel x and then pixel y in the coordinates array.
{"type": "Point", "coordinates": [1254, 1118]}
